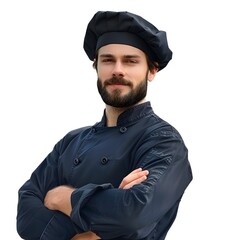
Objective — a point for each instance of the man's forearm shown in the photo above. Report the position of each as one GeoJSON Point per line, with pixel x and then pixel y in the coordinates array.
{"type": "Point", "coordinates": [59, 198]}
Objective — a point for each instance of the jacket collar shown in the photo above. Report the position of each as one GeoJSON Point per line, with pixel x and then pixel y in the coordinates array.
{"type": "Point", "coordinates": [131, 115]}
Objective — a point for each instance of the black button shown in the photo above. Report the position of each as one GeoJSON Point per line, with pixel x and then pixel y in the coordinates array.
{"type": "Point", "coordinates": [76, 161]}
{"type": "Point", "coordinates": [93, 129]}
{"type": "Point", "coordinates": [123, 129]}
{"type": "Point", "coordinates": [104, 160]}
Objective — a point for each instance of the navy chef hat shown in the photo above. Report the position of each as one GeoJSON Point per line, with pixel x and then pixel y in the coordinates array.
{"type": "Point", "coordinates": [108, 27]}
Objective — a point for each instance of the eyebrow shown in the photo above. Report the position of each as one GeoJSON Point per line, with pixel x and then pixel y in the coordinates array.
{"type": "Point", "coordinates": [124, 56]}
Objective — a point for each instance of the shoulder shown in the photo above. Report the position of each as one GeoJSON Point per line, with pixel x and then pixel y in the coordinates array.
{"type": "Point", "coordinates": [77, 132]}
{"type": "Point", "coordinates": [159, 127]}
{"type": "Point", "coordinates": [71, 136]}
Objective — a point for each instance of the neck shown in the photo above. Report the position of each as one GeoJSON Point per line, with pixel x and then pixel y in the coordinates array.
{"type": "Point", "coordinates": [112, 113]}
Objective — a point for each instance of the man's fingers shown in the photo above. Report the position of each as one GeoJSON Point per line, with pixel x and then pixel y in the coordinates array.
{"type": "Point", "coordinates": [133, 178]}
{"type": "Point", "coordinates": [135, 171]}
{"type": "Point", "coordinates": [135, 182]}
{"type": "Point", "coordinates": [86, 236]}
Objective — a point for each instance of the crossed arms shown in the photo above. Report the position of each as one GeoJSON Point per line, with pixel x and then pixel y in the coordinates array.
{"type": "Point", "coordinates": [131, 209]}
{"type": "Point", "coordinates": [59, 198]}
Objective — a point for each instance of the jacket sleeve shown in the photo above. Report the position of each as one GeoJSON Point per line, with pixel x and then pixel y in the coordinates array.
{"type": "Point", "coordinates": [34, 220]}
{"type": "Point", "coordinates": [134, 213]}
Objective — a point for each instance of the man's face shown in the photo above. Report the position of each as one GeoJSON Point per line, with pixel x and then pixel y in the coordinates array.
{"type": "Point", "coordinates": [122, 75]}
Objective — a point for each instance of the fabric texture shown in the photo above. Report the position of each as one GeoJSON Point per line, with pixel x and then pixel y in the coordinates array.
{"type": "Point", "coordinates": [94, 160]}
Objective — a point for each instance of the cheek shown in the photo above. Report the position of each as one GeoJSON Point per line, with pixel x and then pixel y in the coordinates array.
{"type": "Point", "coordinates": [103, 72]}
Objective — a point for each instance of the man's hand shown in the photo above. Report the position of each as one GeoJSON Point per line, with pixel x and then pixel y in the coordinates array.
{"type": "Point", "coordinates": [135, 177]}
{"type": "Point", "coordinates": [59, 198]}
{"type": "Point", "coordinates": [86, 236]}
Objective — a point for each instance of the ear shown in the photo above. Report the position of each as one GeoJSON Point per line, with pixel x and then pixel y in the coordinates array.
{"type": "Point", "coordinates": [151, 74]}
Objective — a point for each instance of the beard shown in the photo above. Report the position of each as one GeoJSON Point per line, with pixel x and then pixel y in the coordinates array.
{"type": "Point", "coordinates": [116, 98]}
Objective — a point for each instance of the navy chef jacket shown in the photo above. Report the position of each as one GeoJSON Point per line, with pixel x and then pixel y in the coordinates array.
{"type": "Point", "coordinates": [94, 160]}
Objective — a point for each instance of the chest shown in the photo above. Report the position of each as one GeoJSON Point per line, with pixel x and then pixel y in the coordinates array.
{"type": "Point", "coordinates": [103, 156]}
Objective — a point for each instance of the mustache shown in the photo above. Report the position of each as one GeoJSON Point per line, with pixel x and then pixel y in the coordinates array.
{"type": "Point", "coordinates": [116, 80]}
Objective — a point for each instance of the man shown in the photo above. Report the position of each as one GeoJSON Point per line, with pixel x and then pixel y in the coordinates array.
{"type": "Point", "coordinates": [124, 177]}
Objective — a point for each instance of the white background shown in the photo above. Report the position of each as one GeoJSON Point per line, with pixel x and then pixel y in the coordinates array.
{"type": "Point", "coordinates": [48, 87]}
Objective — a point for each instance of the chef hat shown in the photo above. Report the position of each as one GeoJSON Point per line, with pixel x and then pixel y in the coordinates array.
{"type": "Point", "coordinates": [108, 27]}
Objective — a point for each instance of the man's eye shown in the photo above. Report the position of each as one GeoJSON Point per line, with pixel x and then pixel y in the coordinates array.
{"type": "Point", "coordinates": [131, 61]}
{"type": "Point", "coordinates": [107, 60]}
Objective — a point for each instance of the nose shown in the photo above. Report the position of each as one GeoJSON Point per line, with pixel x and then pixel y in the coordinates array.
{"type": "Point", "coordinates": [118, 70]}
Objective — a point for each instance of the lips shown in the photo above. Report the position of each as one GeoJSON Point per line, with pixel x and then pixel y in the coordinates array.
{"type": "Point", "coordinates": [117, 84]}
